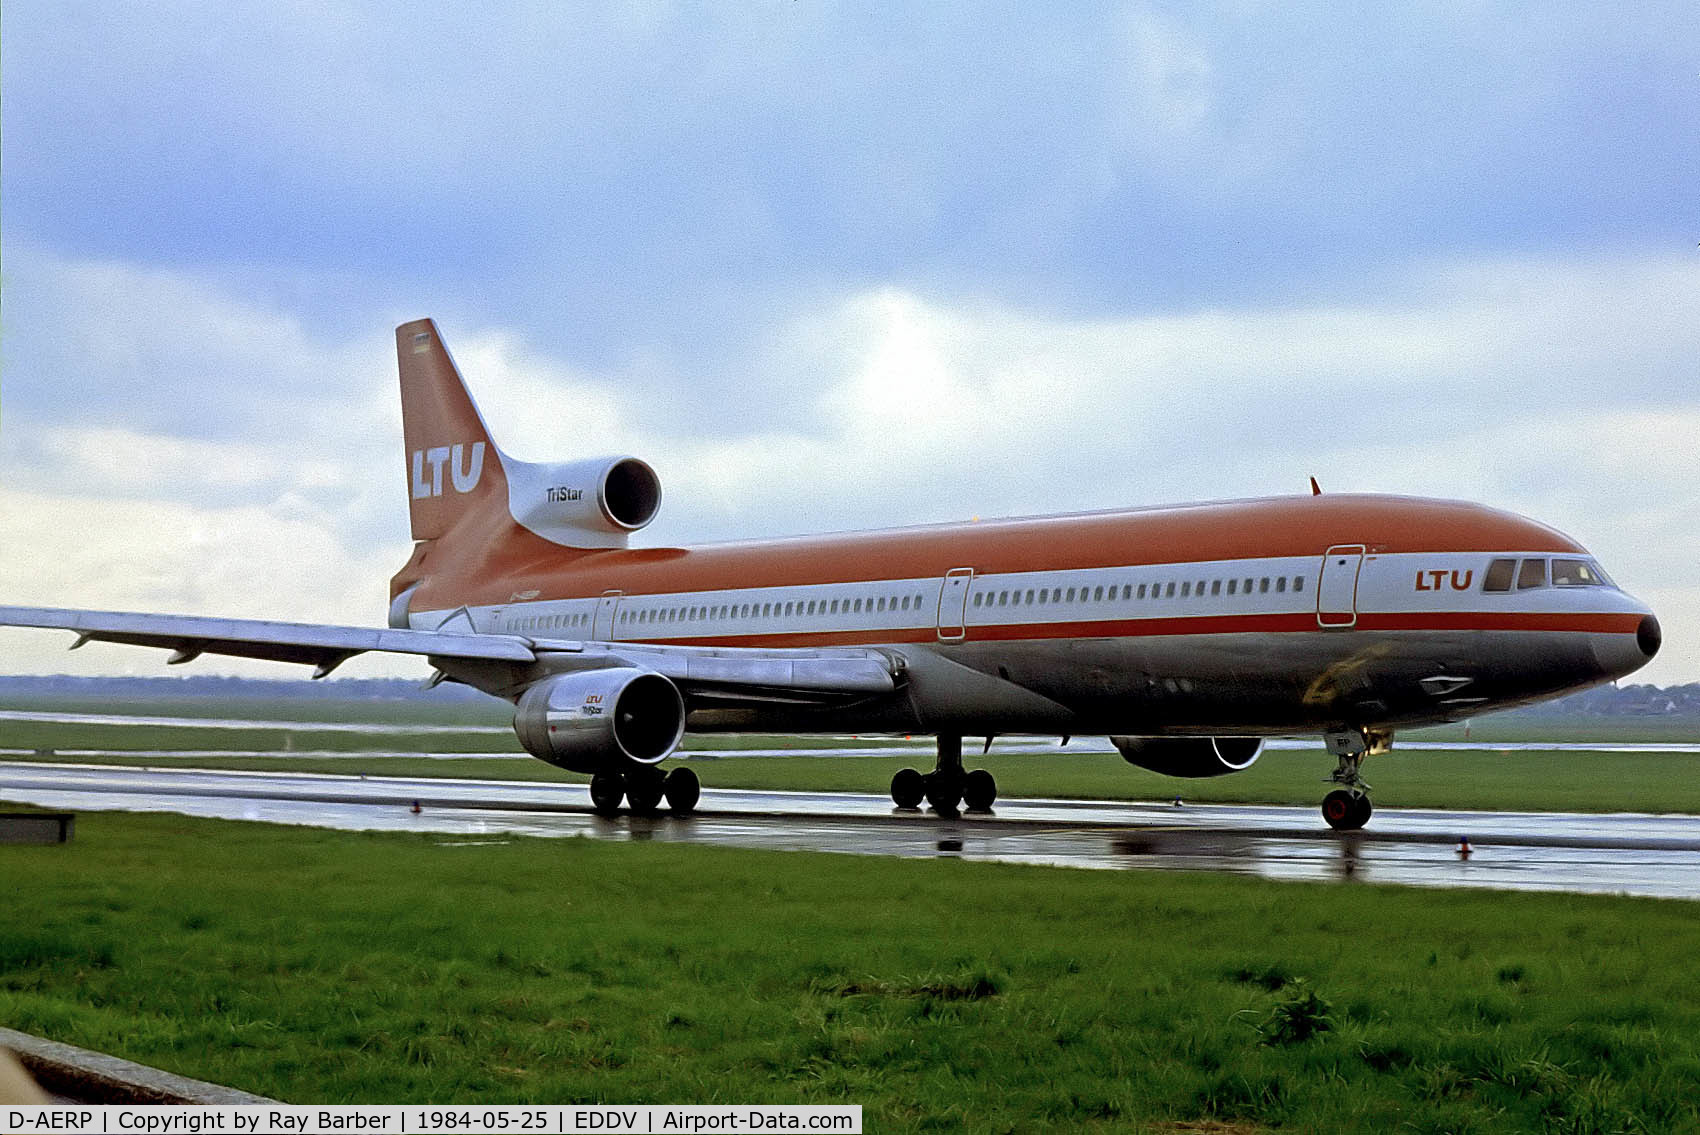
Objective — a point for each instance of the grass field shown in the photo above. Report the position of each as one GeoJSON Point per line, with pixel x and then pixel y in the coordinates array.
{"type": "Point", "coordinates": [322, 966]}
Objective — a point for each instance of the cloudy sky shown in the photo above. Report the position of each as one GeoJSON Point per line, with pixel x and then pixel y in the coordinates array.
{"type": "Point", "coordinates": [833, 266]}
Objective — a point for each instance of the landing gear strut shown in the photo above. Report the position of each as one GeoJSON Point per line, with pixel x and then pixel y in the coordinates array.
{"type": "Point", "coordinates": [947, 788]}
{"type": "Point", "coordinates": [1347, 808]}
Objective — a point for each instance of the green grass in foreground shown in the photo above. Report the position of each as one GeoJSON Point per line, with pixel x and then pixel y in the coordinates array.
{"type": "Point", "coordinates": [338, 967]}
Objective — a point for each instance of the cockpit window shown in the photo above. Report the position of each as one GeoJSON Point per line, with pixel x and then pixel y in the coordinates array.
{"type": "Point", "coordinates": [1498, 577]}
{"type": "Point", "coordinates": [1532, 573]}
{"type": "Point", "coordinates": [1577, 573]}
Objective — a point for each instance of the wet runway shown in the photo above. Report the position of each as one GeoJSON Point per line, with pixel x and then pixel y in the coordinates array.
{"type": "Point", "coordinates": [1625, 854]}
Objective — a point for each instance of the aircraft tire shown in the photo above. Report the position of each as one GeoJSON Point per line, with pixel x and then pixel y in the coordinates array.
{"type": "Point", "coordinates": [682, 789]}
{"type": "Point", "coordinates": [1345, 811]}
{"type": "Point", "coordinates": [908, 788]}
{"type": "Point", "coordinates": [979, 791]}
{"type": "Point", "coordinates": [944, 790]}
{"type": "Point", "coordinates": [645, 787]}
{"type": "Point", "coordinates": [607, 789]}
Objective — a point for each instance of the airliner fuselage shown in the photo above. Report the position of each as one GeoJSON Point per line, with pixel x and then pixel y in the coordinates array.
{"type": "Point", "coordinates": [1258, 617]}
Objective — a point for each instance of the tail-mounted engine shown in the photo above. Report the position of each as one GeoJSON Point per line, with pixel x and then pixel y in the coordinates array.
{"type": "Point", "coordinates": [596, 720]}
{"type": "Point", "coordinates": [583, 504]}
{"type": "Point", "coordinates": [1191, 757]}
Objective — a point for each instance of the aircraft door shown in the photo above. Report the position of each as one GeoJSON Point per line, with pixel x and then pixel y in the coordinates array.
{"type": "Point", "coordinates": [602, 630]}
{"type": "Point", "coordinates": [953, 605]}
{"type": "Point", "coordinates": [1337, 588]}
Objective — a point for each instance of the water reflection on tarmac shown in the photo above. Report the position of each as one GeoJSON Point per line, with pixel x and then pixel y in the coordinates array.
{"type": "Point", "coordinates": [1626, 854]}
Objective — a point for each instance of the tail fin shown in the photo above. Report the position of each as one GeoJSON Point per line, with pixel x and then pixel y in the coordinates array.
{"type": "Point", "coordinates": [453, 467]}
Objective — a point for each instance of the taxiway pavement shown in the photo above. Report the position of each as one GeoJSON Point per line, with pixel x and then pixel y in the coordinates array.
{"type": "Point", "coordinates": [1620, 853]}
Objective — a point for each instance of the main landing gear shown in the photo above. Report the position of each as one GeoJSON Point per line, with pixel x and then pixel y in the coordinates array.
{"type": "Point", "coordinates": [947, 788]}
{"type": "Point", "coordinates": [643, 787]}
{"type": "Point", "coordinates": [1347, 808]}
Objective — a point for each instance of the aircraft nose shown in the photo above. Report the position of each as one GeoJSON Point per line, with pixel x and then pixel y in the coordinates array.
{"type": "Point", "coordinates": [1648, 636]}
{"type": "Point", "coordinates": [1624, 653]}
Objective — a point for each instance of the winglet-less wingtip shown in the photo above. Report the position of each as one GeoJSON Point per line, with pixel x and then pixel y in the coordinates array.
{"type": "Point", "coordinates": [1315, 489]}
{"type": "Point", "coordinates": [329, 663]}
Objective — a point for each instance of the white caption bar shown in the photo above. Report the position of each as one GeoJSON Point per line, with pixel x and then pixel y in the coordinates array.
{"type": "Point", "coordinates": [642, 1119]}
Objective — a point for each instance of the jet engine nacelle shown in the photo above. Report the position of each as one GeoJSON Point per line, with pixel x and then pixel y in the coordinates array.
{"type": "Point", "coordinates": [1190, 756]}
{"type": "Point", "coordinates": [583, 504]}
{"type": "Point", "coordinates": [600, 719]}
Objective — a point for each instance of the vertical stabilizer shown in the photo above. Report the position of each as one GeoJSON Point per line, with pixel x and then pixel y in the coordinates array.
{"type": "Point", "coordinates": [453, 467]}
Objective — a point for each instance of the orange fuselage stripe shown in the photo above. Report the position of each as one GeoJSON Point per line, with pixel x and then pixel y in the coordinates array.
{"type": "Point", "coordinates": [491, 558]}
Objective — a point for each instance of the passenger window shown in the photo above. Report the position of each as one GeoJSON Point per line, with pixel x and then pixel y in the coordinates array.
{"type": "Point", "coordinates": [1169, 592]}
{"type": "Point", "coordinates": [1233, 586]}
{"type": "Point", "coordinates": [858, 608]}
{"type": "Point", "coordinates": [1071, 595]}
{"type": "Point", "coordinates": [1531, 574]}
{"type": "Point", "coordinates": [1248, 587]}
{"type": "Point", "coordinates": [1127, 591]}
{"type": "Point", "coordinates": [1263, 585]}
{"type": "Point", "coordinates": [1298, 583]}
{"type": "Point", "coordinates": [1186, 589]}
{"type": "Point", "coordinates": [1098, 594]}
{"type": "Point", "coordinates": [977, 598]}
{"type": "Point", "coordinates": [1142, 591]}
{"type": "Point", "coordinates": [1280, 583]}
{"type": "Point", "coordinates": [1029, 596]}
{"type": "Point", "coordinates": [1215, 587]}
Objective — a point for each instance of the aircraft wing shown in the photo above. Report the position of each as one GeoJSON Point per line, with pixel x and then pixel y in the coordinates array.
{"type": "Point", "coordinates": [735, 674]}
{"type": "Point", "coordinates": [323, 646]}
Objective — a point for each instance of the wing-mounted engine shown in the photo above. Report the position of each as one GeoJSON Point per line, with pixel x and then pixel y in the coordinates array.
{"type": "Point", "coordinates": [597, 720]}
{"type": "Point", "coordinates": [595, 503]}
{"type": "Point", "coordinates": [1192, 757]}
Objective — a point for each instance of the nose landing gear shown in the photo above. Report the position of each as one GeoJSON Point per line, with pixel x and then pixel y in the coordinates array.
{"type": "Point", "coordinates": [1346, 811]}
{"type": "Point", "coordinates": [1347, 808]}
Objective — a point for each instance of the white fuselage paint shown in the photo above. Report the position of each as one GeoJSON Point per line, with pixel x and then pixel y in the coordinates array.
{"type": "Point", "coordinates": [1394, 583]}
